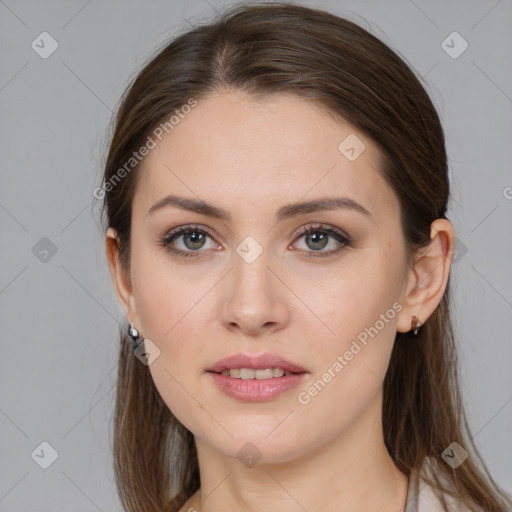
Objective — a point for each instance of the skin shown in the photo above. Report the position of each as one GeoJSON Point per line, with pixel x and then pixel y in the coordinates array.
{"type": "Point", "coordinates": [251, 157]}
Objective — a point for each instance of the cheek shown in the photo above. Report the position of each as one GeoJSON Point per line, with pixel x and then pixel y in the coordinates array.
{"type": "Point", "coordinates": [350, 368]}
{"type": "Point", "coordinates": [172, 307]}
{"type": "Point", "coordinates": [168, 299]}
{"type": "Point", "coordinates": [358, 311]}
{"type": "Point", "coordinates": [170, 319]}
{"type": "Point", "coordinates": [347, 298]}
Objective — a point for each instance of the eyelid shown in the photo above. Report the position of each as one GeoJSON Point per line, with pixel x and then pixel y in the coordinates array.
{"type": "Point", "coordinates": [188, 227]}
{"type": "Point", "coordinates": [321, 227]}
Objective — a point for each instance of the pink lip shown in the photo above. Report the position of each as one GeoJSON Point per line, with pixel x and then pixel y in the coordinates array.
{"type": "Point", "coordinates": [255, 390]}
{"type": "Point", "coordinates": [255, 362]}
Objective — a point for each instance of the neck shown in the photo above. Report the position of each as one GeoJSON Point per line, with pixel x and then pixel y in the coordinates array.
{"type": "Point", "coordinates": [349, 473]}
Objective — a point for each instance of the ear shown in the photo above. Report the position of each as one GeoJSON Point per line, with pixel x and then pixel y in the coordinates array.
{"type": "Point", "coordinates": [427, 280]}
{"type": "Point", "coordinates": [120, 278]}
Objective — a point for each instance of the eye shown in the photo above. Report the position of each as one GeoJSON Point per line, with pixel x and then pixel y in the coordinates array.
{"type": "Point", "coordinates": [317, 237]}
{"type": "Point", "coordinates": [192, 238]}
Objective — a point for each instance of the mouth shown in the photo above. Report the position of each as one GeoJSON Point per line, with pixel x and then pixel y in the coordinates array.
{"type": "Point", "coordinates": [256, 378]}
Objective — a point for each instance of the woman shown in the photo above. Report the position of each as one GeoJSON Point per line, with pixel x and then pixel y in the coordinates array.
{"type": "Point", "coordinates": [276, 192]}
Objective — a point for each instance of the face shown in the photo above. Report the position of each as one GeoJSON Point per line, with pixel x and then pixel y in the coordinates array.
{"type": "Point", "coordinates": [253, 283]}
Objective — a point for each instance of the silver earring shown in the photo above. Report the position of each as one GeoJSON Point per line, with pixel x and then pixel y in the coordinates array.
{"type": "Point", "coordinates": [134, 335]}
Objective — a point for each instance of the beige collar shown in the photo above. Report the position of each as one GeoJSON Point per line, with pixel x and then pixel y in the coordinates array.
{"type": "Point", "coordinates": [421, 497]}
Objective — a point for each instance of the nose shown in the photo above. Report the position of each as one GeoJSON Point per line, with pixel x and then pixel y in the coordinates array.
{"type": "Point", "coordinates": [254, 300]}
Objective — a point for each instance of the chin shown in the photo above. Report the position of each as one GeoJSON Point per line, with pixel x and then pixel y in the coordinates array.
{"type": "Point", "coordinates": [268, 440]}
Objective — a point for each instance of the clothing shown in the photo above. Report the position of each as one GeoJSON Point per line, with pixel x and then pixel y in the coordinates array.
{"type": "Point", "coordinates": [421, 497]}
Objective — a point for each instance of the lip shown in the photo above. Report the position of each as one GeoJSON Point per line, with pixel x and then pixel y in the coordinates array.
{"type": "Point", "coordinates": [255, 362]}
{"type": "Point", "coordinates": [256, 390]}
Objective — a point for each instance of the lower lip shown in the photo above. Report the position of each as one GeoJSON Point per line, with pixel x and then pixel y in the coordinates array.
{"type": "Point", "coordinates": [254, 390]}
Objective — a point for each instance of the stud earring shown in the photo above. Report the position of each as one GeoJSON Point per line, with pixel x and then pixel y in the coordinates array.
{"type": "Point", "coordinates": [415, 325]}
{"type": "Point", "coordinates": [134, 335]}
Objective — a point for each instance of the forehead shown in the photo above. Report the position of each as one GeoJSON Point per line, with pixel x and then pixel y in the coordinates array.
{"type": "Point", "coordinates": [235, 150]}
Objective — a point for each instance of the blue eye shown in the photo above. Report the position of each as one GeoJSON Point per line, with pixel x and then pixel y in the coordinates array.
{"type": "Point", "coordinates": [319, 236]}
{"type": "Point", "coordinates": [193, 239]}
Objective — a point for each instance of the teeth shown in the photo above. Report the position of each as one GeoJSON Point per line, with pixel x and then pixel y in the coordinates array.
{"type": "Point", "coordinates": [246, 373]}
{"type": "Point", "coordinates": [264, 374]}
{"type": "Point", "coordinates": [259, 374]}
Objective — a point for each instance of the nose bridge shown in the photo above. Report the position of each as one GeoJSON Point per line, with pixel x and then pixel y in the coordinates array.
{"type": "Point", "coordinates": [254, 298]}
{"type": "Point", "coordinates": [251, 275]}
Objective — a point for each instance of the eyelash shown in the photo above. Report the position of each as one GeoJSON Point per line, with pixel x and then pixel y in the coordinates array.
{"type": "Point", "coordinates": [339, 236]}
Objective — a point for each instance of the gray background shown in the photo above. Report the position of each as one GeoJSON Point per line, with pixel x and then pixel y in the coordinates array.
{"type": "Point", "coordinates": [59, 314]}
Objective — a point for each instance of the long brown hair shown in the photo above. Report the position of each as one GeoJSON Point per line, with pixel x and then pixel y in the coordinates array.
{"type": "Point", "coordinates": [270, 48]}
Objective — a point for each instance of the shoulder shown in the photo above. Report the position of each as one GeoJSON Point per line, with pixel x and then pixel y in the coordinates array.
{"type": "Point", "coordinates": [422, 497]}
{"type": "Point", "coordinates": [429, 500]}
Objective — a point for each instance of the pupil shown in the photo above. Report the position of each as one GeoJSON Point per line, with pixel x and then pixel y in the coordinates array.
{"type": "Point", "coordinates": [318, 238]}
{"type": "Point", "coordinates": [197, 243]}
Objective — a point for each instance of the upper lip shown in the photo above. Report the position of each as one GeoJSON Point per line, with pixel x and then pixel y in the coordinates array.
{"type": "Point", "coordinates": [255, 362]}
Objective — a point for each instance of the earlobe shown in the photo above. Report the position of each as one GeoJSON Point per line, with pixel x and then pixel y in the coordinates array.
{"type": "Point", "coordinates": [428, 278]}
{"type": "Point", "coordinates": [120, 279]}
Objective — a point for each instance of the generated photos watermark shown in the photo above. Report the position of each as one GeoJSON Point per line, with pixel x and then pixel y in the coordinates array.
{"type": "Point", "coordinates": [305, 397]}
{"type": "Point", "coordinates": [157, 134]}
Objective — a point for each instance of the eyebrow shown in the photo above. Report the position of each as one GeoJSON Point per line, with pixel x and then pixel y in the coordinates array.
{"type": "Point", "coordinates": [287, 211]}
